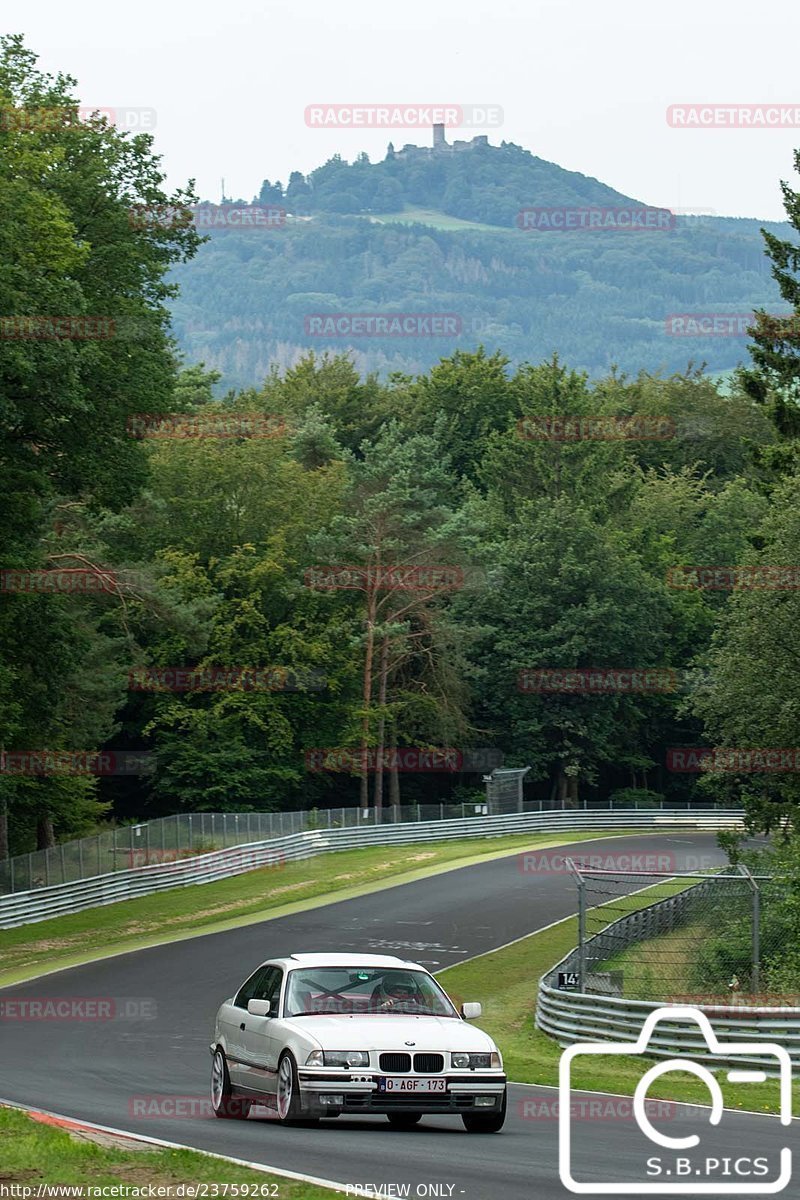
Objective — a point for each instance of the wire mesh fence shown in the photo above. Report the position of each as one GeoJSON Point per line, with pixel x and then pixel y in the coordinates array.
{"type": "Point", "coordinates": [169, 839]}
{"type": "Point", "coordinates": [695, 937]}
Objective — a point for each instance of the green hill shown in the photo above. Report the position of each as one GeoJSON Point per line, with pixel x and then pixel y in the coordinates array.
{"type": "Point", "coordinates": [425, 232]}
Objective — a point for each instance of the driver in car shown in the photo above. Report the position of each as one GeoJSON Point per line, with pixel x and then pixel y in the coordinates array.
{"type": "Point", "coordinates": [398, 991]}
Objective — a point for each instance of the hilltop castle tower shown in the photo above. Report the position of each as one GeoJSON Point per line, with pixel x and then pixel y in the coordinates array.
{"type": "Point", "coordinates": [439, 140]}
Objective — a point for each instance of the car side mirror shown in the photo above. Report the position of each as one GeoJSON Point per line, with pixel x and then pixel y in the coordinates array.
{"type": "Point", "coordinates": [262, 1008]}
{"type": "Point", "coordinates": [470, 1011]}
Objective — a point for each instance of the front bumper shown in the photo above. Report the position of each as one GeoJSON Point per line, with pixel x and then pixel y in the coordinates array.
{"type": "Point", "coordinates": [358, 1092]}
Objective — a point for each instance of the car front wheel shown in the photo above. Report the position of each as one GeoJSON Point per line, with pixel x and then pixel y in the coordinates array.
{"type": "Point", "coordinates": [223, 1102]}
{"type": "Point", "coordinates": [287, 1100]}
{"type": "Point", "coordinates": [477, 1122]}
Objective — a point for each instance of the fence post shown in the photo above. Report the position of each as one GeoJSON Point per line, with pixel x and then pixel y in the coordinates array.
{"type": "Point", "coordinates": [755, 972]}
{"type": "Point", "coordinates": [581, 882]}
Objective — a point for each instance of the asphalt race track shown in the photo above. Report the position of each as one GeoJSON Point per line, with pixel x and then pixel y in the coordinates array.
{"type": "Point", "coordinates": [95, 1070]}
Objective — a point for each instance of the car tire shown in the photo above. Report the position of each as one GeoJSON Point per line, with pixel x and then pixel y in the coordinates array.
{"type": "Point", "coordinates": [485, 1122]}
{"type": "Point", "coordinates": [404, 1120]}
{"type": "Point", "coordinates": [288, 1105]}
{"type": "Point", "coordinates": [224, 1104]}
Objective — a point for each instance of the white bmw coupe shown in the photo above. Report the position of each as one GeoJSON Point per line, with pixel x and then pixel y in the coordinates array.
{"type": "Point", "coordinates": [319, 1035]}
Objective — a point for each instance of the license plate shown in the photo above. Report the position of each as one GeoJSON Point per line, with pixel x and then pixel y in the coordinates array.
{"type": "Point", "coordinates": [410, 1083]}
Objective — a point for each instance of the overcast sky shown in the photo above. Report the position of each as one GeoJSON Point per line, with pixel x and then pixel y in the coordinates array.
{"type": "Point", "coordinates": [583, 83]}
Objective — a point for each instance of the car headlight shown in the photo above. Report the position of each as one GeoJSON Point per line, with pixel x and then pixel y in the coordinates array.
{"type": "Point", "coordinates": [338, 1058]}
{"type": "Point", "coordinates": [476, 1061]}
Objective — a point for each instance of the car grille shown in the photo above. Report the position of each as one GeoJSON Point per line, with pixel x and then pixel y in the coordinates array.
{"type": "Point", "coordinates": [398, 1063]}
{"type": "Point", "coordinates": [428, 1064]}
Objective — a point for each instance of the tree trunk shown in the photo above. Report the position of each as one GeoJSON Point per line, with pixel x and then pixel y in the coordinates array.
{"type": "Point", "coordinates": [45, 837]}
{"type": "Point", "coordinates": [562, 790]}
{"type": "Point", "coordinates": [372, 601]}
{"type": "Point", "coordinates": [394, 784]}
{"type": "Point", "coordinates": [572, 791]}
{"type": "Point", "coordinates": [382, 687]}
{"type": "Point", "coordinates": [3, 829]}
{"type": "Point", "coordinates": [3, 814]}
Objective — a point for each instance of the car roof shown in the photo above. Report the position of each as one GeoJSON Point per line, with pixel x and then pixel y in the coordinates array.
{"type": "Point", "coordinates": [342, 960]}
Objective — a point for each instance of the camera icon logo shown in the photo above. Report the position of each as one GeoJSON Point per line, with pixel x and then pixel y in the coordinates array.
{"type": "Point", "coordinates": [685, 1175]}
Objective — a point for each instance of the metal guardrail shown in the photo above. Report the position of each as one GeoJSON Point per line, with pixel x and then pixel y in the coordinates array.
{"type": "Point", "coordinates": [22, 908]}
{"type": "Point", "coordinates": [184, 835]}
{"type": "Point", "coordinates": [595, 1017]}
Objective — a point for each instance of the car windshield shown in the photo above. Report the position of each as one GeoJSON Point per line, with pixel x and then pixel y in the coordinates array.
{"type": "Point", "coordinates": [368, 990]}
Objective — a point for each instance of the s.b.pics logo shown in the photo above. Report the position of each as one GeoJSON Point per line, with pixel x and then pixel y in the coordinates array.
{"type": "Point", "coordinates": [703, 1151]}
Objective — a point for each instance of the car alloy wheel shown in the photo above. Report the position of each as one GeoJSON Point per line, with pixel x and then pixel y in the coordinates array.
{"type": "Point", "coordinates": [285, 1088]}
{"type": "Point", "coordinates": [287, 1099]}
{"type": "Point", "coordinates": [223, 1102]}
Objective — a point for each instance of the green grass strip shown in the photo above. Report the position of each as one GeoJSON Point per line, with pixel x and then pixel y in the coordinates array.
{"type": "Point", "coordinates": [32, 1154]}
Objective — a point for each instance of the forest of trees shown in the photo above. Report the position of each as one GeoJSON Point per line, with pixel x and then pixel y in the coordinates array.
{"type": "Point", "coordinates": [564, 550]}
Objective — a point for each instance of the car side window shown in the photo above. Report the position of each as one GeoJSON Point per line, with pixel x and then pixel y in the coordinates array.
{"type": "Point", "coordinates": [251, 990]}
{"type": "Point", "coordinates": [271, 987]}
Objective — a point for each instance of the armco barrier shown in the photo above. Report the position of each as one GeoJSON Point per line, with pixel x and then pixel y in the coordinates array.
{"type": "Point", "coordinates": [594, 1017]}
{"type": "Point", "coordinates": [23, 908]}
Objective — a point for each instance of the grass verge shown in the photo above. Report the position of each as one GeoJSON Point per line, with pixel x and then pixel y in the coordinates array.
{"type": "Point", "coordinates": [665, 965]}
{"type": "Point", "coordinates": [67, 941]}
{"type": "Point", "coordinates": [505, 981]}
{"type": "Point", "coordinates": [439, 220]}
{"type": "Point", "coordinates": [32, 1154]}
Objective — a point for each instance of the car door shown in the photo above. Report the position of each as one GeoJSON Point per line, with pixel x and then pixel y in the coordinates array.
{"type": "Point", "coordinates": [234, 1019]}
{"type": "Point", "coordinates": [261, 1037]}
